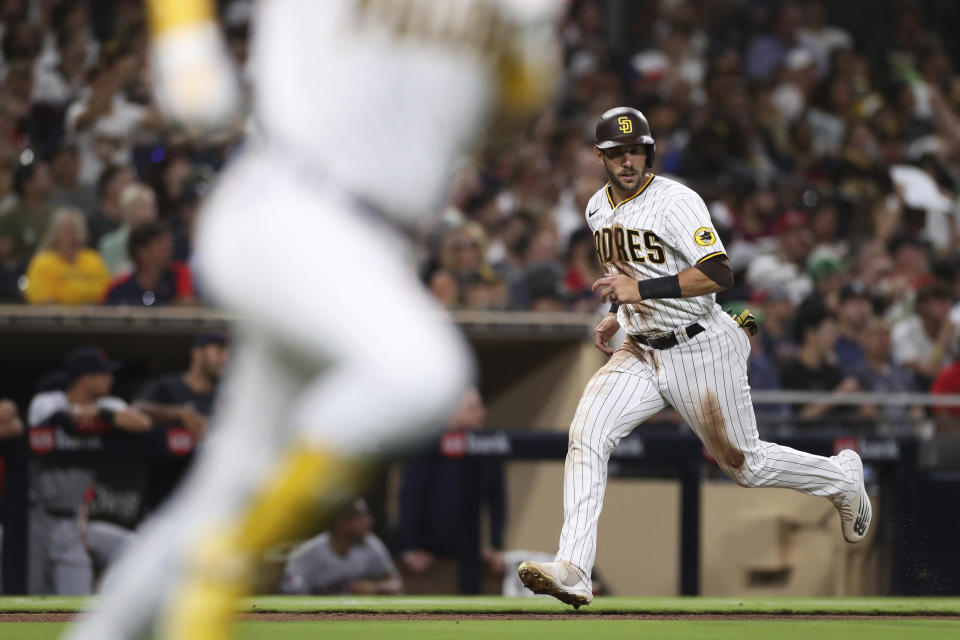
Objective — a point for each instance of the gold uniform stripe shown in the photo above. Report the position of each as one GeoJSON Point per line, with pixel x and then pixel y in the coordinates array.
{"type": "Point", "coordinates": [710, 255]}
{"type": "Point", "coordinates": [220, 567]}
{"type": "Point", "coordinates": [639, 191]}
{"type": "Point", "coordinates": [168, 14]}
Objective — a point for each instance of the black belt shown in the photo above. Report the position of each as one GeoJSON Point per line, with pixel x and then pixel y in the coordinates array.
{"type": "Point", "coordinates": [669, 340]}
{"type": "Point", "coordinates": [315, 176]}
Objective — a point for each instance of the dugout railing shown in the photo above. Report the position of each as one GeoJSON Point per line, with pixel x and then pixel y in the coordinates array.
{"type": "Point", "coordinates": [648, 452]}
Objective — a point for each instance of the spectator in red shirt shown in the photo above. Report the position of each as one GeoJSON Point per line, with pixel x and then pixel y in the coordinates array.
{"type": "Point", "coordinates": [156, 278]}
{"type": "Point", "coordinates": [583, 269]}
{"type": "Point", "coordinates": [948, 381]}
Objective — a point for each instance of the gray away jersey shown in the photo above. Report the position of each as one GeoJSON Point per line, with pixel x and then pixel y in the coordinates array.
{"type": "Point", "coordinates": [315, 568]}
{"type": "Point", "coordinates": [660, 231]}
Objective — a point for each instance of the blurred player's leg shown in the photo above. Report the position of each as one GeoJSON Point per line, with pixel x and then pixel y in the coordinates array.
{"type": "Point", "coordinates": [621, 395]}
{"type": "Point", "coordinates": [107, 542]}
{"type": "Point", "coordinates": [298, 262]}
{"type": "Point", "coordinates": [70, 562]}
{"type": "Point", "coordinates": [345, 351]}
{"type": "Point", "coordinates": [385, 359]}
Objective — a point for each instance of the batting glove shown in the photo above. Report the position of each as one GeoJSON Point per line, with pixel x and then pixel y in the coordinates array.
{"type": "Point", "coordinates": [746, 321]}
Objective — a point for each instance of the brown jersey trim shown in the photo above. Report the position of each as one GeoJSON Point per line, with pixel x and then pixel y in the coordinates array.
{"type": "Point", "coordinates": [710, 256]}
{"type": "Point", "coordinates": [717, 269]}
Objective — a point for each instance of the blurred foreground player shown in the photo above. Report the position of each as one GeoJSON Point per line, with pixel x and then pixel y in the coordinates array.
{"type": "Point", "coordinates": [364, 106]}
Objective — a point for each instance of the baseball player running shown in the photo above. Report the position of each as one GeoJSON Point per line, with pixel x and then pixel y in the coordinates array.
{"type": "Point", "coordinates": [363, 106]}
{"type": "Point", "coordinates": [664, 265]}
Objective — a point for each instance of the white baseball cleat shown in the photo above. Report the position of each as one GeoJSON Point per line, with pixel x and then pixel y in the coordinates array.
{"type": "Point", "coordinates": [855, 511]}
{"type": "Point", "coordinates": [555, 579]}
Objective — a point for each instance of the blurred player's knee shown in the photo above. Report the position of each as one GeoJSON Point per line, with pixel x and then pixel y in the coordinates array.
{"type": "Point", "coordinates": [434, 375]}
{"type": "Point", "coordinates": [381, 397]}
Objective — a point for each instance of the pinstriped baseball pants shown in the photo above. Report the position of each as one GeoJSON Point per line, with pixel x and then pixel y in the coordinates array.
{"type": "Point", "coordinates": [705, 380]}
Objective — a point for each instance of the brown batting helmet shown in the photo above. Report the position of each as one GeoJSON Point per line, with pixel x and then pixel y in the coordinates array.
{"type": "Point", "coordinates": [625, 126]}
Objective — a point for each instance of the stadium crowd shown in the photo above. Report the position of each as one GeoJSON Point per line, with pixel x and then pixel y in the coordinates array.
{"type": "Point", "coordinates": [823, 136]}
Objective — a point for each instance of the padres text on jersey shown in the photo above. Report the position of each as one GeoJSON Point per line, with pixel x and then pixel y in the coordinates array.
{"type": "Point", "coordinates": [661, 230]}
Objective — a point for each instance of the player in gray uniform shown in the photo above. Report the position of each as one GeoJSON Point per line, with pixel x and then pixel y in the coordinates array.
{"type": "Point", "coordinates": [59, 561]}
{"type": "Point", "coordinates": [664, 265]}
{"type": "Point", "coordinates": [347, 559]}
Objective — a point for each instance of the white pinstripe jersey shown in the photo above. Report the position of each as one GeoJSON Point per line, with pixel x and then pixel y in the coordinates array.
{"type": "Point", "coordinates": [334, 79]}
{"type": "Point", "coordinates": [661, 230]}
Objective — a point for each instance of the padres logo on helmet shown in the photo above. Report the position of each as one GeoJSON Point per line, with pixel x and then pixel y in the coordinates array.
{"type": "Point", "coordinates": [625, 126]}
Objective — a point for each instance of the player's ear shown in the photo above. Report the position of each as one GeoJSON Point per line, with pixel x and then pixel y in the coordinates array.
{"type": "Point", "coordinates": [598, 154]}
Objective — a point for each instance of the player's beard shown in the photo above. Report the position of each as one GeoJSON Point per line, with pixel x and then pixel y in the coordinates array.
{"type": "Point", "coordinates": [619, 184]}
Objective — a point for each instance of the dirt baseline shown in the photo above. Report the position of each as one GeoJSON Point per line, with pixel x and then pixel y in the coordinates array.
{"type": "Point", "coordinates": [374, 617]}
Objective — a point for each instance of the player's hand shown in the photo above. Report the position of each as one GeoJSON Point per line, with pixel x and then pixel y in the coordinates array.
{"type": "Point", "coordinates": [618, 289]}
{"type": "Point", "coordinates": [746, 321]}
{"type": "Point", "coordinates": [194, 421]}
{"type": "Point", "coordinates": [10, 424]}
{"type": "Point", "coordinates": [607, 328]}
{"type": "Point", "coordinates": [848, 385]}
{"type": "Point", "coordinates": [494, 561]}
{"type": "Point", "coordinates": [83, 411]}
{"type": "Point", "coordinates": [85, 417]}
{"type": "Point", "coordinates": [363, 587]}
{"type": "Point", "coordinates": [417, 560]}
{"type": "Point", "coordinates": [195, 83]}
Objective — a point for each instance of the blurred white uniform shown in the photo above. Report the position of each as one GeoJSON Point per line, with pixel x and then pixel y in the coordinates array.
{"type": "Point", "coordinates": [364, 107]}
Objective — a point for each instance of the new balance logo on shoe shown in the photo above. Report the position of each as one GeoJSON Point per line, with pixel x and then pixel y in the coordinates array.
{"type": "Point", "coordinates": [860, 525]}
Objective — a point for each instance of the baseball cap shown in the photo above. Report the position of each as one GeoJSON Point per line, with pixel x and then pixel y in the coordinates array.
{"type": "Point", "coordinates": [791, 220]}
{"type": "Point", "coordinates": [212, 337]}
{"type": "Point", "coordinates": [773, 293]}
{"type": "Point", "coordinates": [905, 240]}
{"type": "Point", "coordinates": [651, 65]}
{"type": "Point", "coordinates": [88, 359]}
{"type": "Point", "coordinates": [543, 281]}
{"type": "Point", "coordinates": [826, 266]}
{"type": "Point", "coordinates": [797, 59]}
{"type": "Point", "coordinates": [52, 381]}
{"type": "Point", "coordinates": [852, 291]}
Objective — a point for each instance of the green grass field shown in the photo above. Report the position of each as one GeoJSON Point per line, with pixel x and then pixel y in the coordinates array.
{"type": "Point", "coordinates": [587, 623]}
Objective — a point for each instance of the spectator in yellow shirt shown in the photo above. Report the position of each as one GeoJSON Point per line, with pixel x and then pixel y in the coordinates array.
{"type": "Point", "coordinates": [64, 271]}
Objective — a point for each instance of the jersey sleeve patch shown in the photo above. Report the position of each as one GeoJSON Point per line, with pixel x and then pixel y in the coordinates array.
{"type": "Point", "coordinates": [705, 236]}
{"type": "Point", "coordinates": [693, 230]}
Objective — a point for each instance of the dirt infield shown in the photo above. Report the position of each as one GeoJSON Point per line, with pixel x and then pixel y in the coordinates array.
{"type": "Point", "coordinates": [353, 617]}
